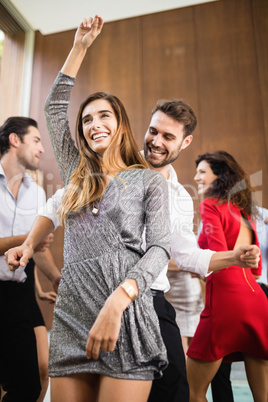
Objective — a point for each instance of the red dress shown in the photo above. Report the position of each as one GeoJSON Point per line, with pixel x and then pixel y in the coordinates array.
{"type": "Point", "coordinates": [235, 317]}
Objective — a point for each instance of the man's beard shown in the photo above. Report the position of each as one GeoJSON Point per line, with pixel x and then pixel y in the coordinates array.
{"type": "Point", "coordinates": [159, 164]}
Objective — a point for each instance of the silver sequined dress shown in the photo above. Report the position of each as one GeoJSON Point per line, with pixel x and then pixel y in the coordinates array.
{"type": "Point", "coordinates": [100, 252]}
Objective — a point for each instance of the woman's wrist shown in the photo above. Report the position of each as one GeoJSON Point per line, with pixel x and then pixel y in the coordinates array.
{"type": "Point", "coordinates": [129, 290]}
{"type": "Point", "coordinates": [118, 301]}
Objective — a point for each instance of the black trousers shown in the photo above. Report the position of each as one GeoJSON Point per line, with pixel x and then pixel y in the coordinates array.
{"type": "Point", "coordinates": [173, 386]}
{"type": "Point", "coordinates": [19, 374]}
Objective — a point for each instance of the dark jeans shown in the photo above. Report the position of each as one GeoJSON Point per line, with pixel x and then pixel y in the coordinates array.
{"type": "Point", "coordinates": [19, 374]}
{"type": "Point", "coordinates": [173, 386]}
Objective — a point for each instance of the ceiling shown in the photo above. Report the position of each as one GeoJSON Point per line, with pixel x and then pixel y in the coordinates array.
{"type": "Point", "coordinates": [50, 16]}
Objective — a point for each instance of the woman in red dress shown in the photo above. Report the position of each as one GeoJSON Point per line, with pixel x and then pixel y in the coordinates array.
{"type": "Point", "coordinates": [234, 323]}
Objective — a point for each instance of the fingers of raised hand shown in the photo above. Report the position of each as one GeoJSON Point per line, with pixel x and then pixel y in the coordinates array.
{"type": "Point", "coordinates": [98, 23]}
{"type": "Point", "coordinates": [94, 25]}
{"type": "Point", "coordinates": [86, 23]}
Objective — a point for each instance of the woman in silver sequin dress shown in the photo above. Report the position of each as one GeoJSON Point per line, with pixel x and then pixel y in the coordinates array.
{"type": "Point", "coordinates": [105, 342]}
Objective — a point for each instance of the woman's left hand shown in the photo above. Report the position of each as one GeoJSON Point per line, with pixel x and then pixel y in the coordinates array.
{"type": "Point", "coordinates": [105, 331]}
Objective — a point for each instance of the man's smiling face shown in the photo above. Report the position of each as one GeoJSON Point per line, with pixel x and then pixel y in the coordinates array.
{"type": "Point", "coordinates": [163, 140]}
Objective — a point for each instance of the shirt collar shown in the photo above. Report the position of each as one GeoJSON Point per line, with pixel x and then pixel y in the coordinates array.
{"type": "Point", "coordinates": [2, 173]}
{"type": "Point", "coordinates": [26, 180]}
{"type": "Point", "coordinates": [172, 175]}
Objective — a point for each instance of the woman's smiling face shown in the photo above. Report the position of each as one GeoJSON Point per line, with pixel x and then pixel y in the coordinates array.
{"type": "Point", "coordinates": [99, 125]}
{"type": "Point", "coordinates": [204, 177]}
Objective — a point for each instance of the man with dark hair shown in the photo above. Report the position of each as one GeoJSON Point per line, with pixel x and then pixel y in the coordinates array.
{"type": "Point", "coordinates": [18, 125]}
{"type": "Point", "coordinates": [20, 197]}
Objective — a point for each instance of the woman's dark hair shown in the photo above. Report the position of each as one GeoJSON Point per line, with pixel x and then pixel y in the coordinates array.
{"type": "Point", "coordinates": [232, 183]}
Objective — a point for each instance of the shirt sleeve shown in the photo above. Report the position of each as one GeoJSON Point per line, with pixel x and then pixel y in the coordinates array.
{"type": "Point", "coordinates": [49, 210]}
{"type": "Point", "coordinates": [184, 248]}
{"type": "Point", "coordinates": [157, 229]}
{"type": "Point", "coordinates": [56, 106]}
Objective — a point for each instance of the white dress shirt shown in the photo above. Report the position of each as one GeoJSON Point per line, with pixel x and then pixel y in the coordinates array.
{"type": "Point", "coordinates": [17, 216]}
{"type": "Point", "coordinates": [184, 247]}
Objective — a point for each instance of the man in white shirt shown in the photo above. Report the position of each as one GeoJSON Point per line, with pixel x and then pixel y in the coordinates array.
{"type": "Point", "coordinates": [169, 132]}
{"type": "Point", "coordinates": [20, 198]}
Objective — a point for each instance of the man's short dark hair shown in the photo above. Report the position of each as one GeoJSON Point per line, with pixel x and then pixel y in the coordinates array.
{"type": "Point", "coordinates": [180, 111]}
{"type": "Point", "coordinates": [18, 125]}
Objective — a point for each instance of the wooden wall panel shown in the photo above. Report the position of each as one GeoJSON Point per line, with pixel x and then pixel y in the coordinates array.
{"type": "Point", "coordinates": [231, 109]}
{"type": "Point", "coordinates": [260, 24]}
{"type": "Point", "coordinates": [169, 71]}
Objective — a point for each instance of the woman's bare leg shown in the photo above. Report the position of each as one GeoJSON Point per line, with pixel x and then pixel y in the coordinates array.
{"type": "Point", "coordinates": [77, 387]}
{"type": "Point", "coordinates": [42, 353]}
{"type": "Point", "coordinates": [257, 375]}
{"type": "Point", "coordinates": [119, 390]}
{"type": "Point", "coordinates": [200, 374]}
{"type": "Point", "coordinates": [186, 341]}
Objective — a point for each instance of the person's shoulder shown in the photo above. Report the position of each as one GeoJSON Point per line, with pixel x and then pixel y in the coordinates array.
{"type": "Point", "coordinates": [152, 175]}
{"type": "Point", "coordinates": [210, 201]}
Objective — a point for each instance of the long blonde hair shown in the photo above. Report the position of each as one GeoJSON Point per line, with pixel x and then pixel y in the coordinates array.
{"type": "Point", "coordinates": [87, 183]}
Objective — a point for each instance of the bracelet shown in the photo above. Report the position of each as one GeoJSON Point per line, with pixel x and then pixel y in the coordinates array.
{"type": "Point", "coordinates": [129, 289]}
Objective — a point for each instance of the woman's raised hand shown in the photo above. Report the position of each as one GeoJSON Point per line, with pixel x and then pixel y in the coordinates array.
{"type": "Point", "coordinates": [87, 31]}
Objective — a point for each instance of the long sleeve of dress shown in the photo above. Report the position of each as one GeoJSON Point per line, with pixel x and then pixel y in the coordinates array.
{"type": "Point", "coordinates": [157, 224]}
{"type": "Point", "coordinates": [56, 106]}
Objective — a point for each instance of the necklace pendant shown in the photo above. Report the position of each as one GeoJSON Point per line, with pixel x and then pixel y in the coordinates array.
{"type": "Point", "coordinates": [95, 211]}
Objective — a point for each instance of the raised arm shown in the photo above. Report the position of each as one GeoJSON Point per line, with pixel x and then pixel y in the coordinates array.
{"type": "Point", "coordinates": [85, 35]}
{"type": "Point", "coordinates": [57, 102]}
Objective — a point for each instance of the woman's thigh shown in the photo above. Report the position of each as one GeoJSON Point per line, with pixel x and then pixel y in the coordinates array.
{"type": "Point", "coordinates": [200, 374]}
{"type": "Point", "coordinates": [77, 387]}
{"type": "Point", "coordinates": [120, 390]}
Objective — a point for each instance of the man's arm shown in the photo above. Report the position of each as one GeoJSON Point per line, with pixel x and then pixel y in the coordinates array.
{"type": "Point", "coordinates": [7, 243]}
{"type": "Point", "coordinates": [184, 248]}
{"type": "Point", "coordinates": [19, 256]}
{"type": "Point", "coordinates": [245, 257]}
{"type": "Point", "coordinates": [45, 262]}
